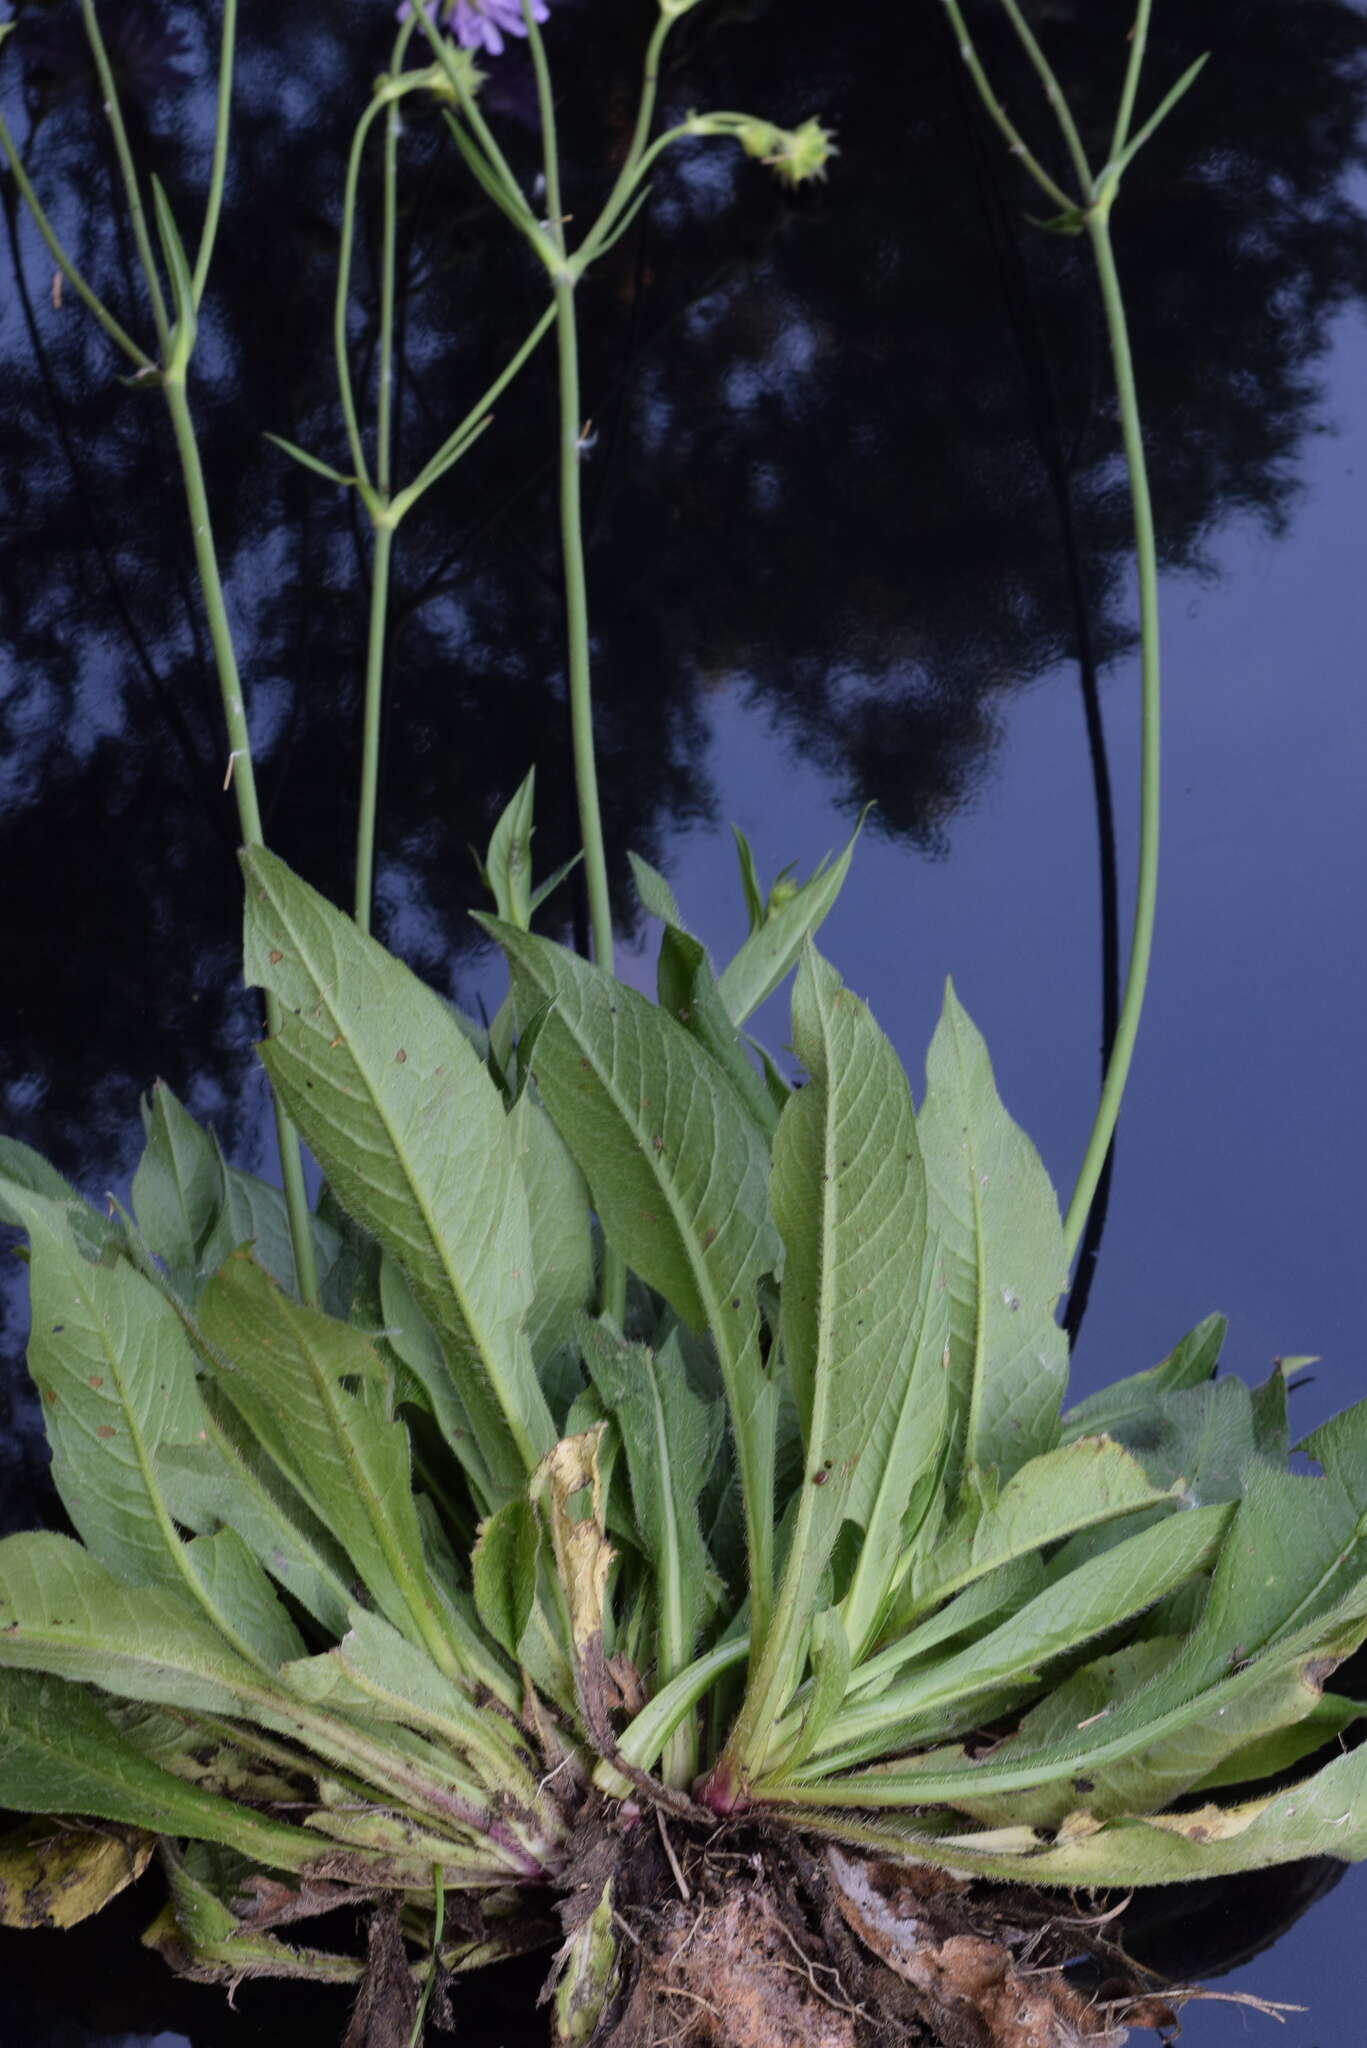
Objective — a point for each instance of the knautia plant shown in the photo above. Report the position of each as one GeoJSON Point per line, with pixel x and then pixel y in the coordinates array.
{"type": "Point", "coordinates": [636, 1512]}
{"type": "Point", "coordinates": [453, 1597]}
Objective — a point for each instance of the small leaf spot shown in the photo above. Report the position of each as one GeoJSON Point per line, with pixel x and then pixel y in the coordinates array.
{"type": "Point", "coordinates": [820, 1478]}
{"type": "Point", "coordinates": [400, 1056]}
{"type": "Point", "coordinates": [96, 1379]}
{"type": "Point", "coordinates": [709, 1236]}
{"type": "Point", "coordinates": [105, 1431]}
{"type": "Point", "coordinates": [276, 956]}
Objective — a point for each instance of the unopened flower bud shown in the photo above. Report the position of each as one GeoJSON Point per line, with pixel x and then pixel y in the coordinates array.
{"type": "Point", "coordinates": [794, 154]}
{"type": "Point", "coordinates": [442, 86]}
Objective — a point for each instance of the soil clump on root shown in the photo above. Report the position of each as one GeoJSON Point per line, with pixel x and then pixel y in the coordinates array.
{"type": "Point", "coordinates": [754, 1938]}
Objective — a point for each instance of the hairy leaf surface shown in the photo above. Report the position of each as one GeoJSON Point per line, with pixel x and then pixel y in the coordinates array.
{"type": "Point", "coordinates": [676, 1169]}
{"type": "Point", "coordinates": [562, 1243]}
{"type": "Point", "coordinates": [288, 1365]}
{"type": "Point", "coordinates": [412, 1133]}
{"type": "Point", "coordinates": [771, 952]}
{"type": "Point", "coordinates": [1002, 1256]}
{"type": "Point", "coordinates": [178, 1187]}
{"type": "Point", "coordinates": [59, 1753]}
{"type": "Point", "coordinates": [114, 1367]}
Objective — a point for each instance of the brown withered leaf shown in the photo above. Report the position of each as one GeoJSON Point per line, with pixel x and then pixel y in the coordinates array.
{"type": "Point", "coordinates": [387, 2001]}
{"type": "Point", "coordinates": [55, 1873]}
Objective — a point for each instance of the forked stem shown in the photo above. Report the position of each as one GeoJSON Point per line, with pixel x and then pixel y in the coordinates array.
{"type": "Point", "coordinates": [1092, 209]}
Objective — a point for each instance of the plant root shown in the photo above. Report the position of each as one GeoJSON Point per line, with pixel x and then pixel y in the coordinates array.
{"type": "Point", "coordinates": [744, 1937]}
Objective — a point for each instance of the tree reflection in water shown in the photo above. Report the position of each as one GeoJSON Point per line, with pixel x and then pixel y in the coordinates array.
{"type": "Point", "coordinates": [854, 456]}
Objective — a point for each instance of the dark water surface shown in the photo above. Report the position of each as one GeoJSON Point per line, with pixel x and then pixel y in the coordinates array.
{"type": "Point", "coordinates": [857, 530]}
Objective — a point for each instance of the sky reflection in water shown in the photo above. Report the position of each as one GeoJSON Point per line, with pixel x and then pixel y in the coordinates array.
{"type": "Point", "coordinates": [834, 443]}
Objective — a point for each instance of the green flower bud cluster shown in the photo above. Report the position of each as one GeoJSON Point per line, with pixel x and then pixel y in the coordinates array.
{"type": "Point", "coordinates": [794, 154]}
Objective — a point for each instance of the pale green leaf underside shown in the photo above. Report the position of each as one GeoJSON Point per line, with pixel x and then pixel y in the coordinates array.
{"type": "Point", "coordinates": [178, 1185]}
{"type": "Point", "coordinates": [562, 1242]}
{"type": "Point", "coordinates": [411, 1131]}
{"type": "Point", "coordinates": [675, 1168]}
{"type": "Point", "coordinates": [1002, 1252]}
{"type": "Point", "coordinates": [771, 952]}
{"type": "Point", "coordinates": [113, 1365]}
{"type": "Point", "coordinates": [59, 1753]}
{"type": "Point", "coordinates": [288, 1365]}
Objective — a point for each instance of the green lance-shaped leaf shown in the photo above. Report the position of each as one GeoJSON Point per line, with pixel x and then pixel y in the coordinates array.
{"type": "Point", "coordinates": [411, 1131]}
{"type": "Point", "coordinates": [771, 952]}
{"type": "Point", "coordinates": [376, 1672]}
{"type": "Point", "coordinates": [562, 1241]}
{"type": "Point", "coordinates": [26, 1170]}
{"type": "Point", "coordinates": [414, 1342]}
{"type": "Point", "coordinates": [229, 1481]}
{"type": "Point", "coordinates": [178, 1188]}
{"type": "Point", "coordinates": [1322, 1815]}
{"type": "Point", "coordinates": [677, 1175]}
{"type": "Point", "coordinates": [113, 1365]}
{"type": "Point", "coordinates": [1190, 1364]}
{"type": "Point", "coordinates": [1079, 1486]}
{"type": "Point", "coordinates": [62, 1611]}
{"type": "Point", "coordinates": [657, 897]}
{"type": "Point", "coordinates": [1290, 1584]}
{"type": "Point", "coordinates": [60, 1753]}
{"type": "Point", "coordinates": [198, 1933]}
{"type": "Point", "coordinates": [1101, 1594]}
{"type": "Point", "coordinates": [849, 1196]}
{"type": "Point", "coordinates": [1288, 1705]}
{"type": "Point", "coordinates": [670, 1443]}
{"type": "Point", "coordinates": [687, 989]}
{"type": "Point", "coordinates": [504, 1572]}
{"type": "Point", "coordinates": [254, 1214]}
{"type": "Point", "coordinates": [288, 1364]}
{"type": "Point", "coordinates": [520, 1602]}
{"type": "Point", "coordinates": [507, 868]}
{"type": "Point", "coordinates": [1002, 1253]}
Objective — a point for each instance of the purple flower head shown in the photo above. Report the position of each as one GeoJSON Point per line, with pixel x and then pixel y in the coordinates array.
{"type": "Point", "coordinates": [482, 24]}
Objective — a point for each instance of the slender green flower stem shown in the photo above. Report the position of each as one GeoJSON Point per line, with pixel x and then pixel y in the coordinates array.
{"type": "Point", "coordinates": [614, 1278]}
{"type": "Point", "coordinates": [172, 381]}
{"type": "Point", "coordinates": [343, 293]}
{"type": "Point", "coordinates": [128, 172]}
{"type": "Point", "coordinates": [1139, 37]}
{"type": "Point", "coordinates": [219, 170]}
{"type": "Point", "coordinates": [1053, 92]}
{"type": "Point", "coordinates": [381, 522]}
{"type": "Point", "coordinates": [1146, 554]}
{"type": "Point", "coordinates": [370, 738]}
{"type": "Point", "coordinates": [243, 778]}
{"type": "Point", "coordinates": [495, 160]}
{"type": "Point", "coordinates": [1092, 209]}
{"type": "Point", "coordinates": [997, 113]}
{"type": "Point", "coordinates": [123, 341]}
{"type": "Point", "coordinates": [377, 500]}
{"type": "Point", "coordinates": [629, 176]}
